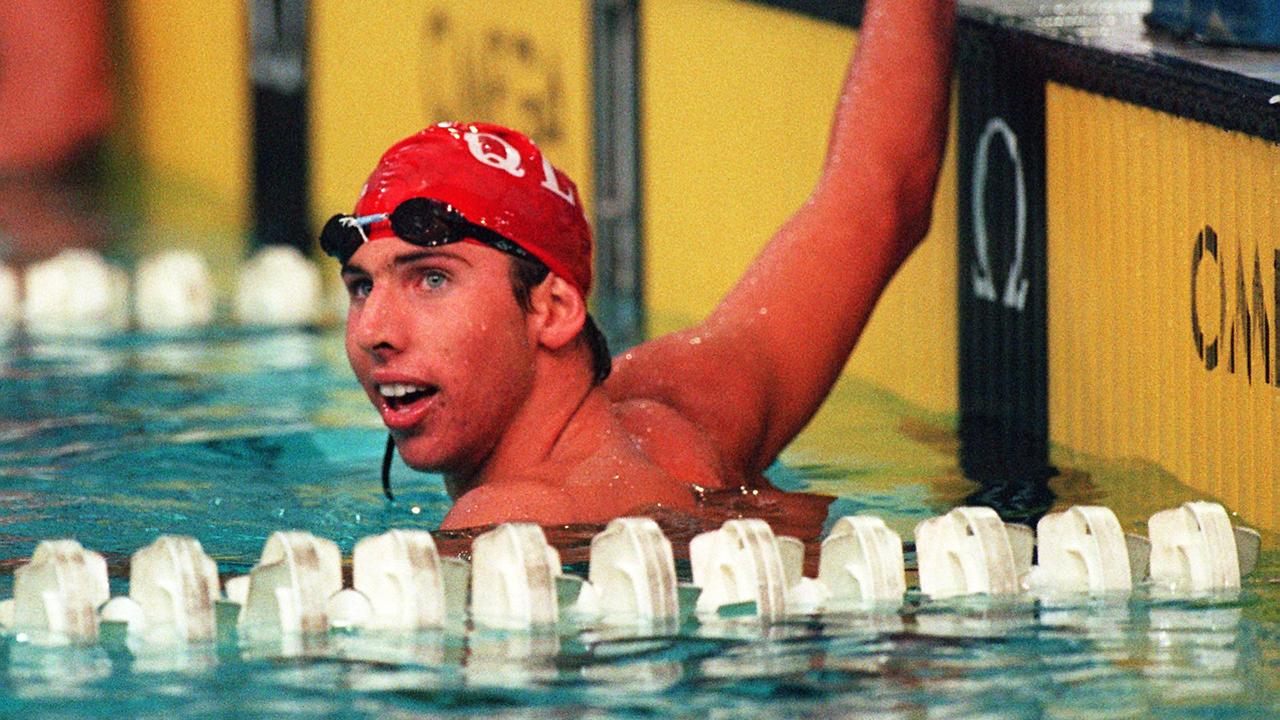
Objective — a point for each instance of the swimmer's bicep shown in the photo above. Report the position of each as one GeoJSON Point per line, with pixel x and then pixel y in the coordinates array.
{"type": "Point", "coordinates": [527, 501]}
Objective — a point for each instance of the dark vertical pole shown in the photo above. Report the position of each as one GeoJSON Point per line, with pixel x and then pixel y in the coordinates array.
{"type": "Point", "coordinates": [616, 89]}
{"type": "Point", "coordinates": [1003, 275]}
{"type": "Point", "coordinates": [278, 62]}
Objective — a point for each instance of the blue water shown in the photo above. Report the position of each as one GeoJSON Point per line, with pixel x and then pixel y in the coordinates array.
{"type": "Point", "coordinates": [230, 435]}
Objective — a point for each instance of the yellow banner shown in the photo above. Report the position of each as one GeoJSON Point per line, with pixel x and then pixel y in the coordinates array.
{"type": "Point", "coordinates": [384, 70]}
{"type": "Point", "coordinates": [1164, 257]}
{"type": "Point", "coordinates": [186, 102]}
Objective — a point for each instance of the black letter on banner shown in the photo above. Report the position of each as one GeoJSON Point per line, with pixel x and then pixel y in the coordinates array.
{"type": "Point", "coordinates": [1207, 241]}
{"type": "Point", "coordinates": [1250, 319]}
{"type": "Point", "coordinates": [1261, 326]}
{"type": "Point", "coordinates": [1239, 318]}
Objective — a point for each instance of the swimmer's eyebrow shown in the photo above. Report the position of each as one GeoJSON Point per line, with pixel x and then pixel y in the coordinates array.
{"type": "Point", "coordinates": [351, 269]}
{"type": "Point", "coordinates": [412, 257]}
{"type": "Point", "coordinates": [408, 258]}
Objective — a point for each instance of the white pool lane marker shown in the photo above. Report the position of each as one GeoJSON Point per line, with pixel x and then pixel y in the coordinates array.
{"type": "Point", "coordinates": [75, 293]}
{"type": "Point", "coordinates": [1082, 549]}
{"type": "Point", "coordinates": [632, 574]}
{"type": "Point", "coordinates": [861, 563]}
{"type": "Point", "coordinates": [173, 290]}
{"type": "Point", "coordinates": [291, 584]}
{"type": "Point", "coordinates": [279, 287]}
{"type": "Point", "coordinates": [78, 293]}
{"type": "Point", "coordinates": [741, 571]}
{"type": "Point", "coordinates": [56, 596]}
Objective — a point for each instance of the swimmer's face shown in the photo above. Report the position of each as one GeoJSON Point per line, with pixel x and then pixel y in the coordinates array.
{"type": "Point", "coordinates": [441, 347]}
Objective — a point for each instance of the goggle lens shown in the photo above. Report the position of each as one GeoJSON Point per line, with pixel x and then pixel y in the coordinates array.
{"type": "Point", "coordinates": [421, 221]}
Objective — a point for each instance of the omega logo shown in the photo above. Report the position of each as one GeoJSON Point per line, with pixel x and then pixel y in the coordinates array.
{"type": "Point", "coordinates": [492, 74]}
{"type": "Point", "coordinates": [984, 285]}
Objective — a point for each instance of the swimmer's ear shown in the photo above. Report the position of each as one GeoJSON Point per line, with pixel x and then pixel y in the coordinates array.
{"type": "Point", "coordinates": [558, 312]}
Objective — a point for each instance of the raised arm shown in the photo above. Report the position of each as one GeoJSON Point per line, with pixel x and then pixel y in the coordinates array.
{"type": "Point", "coordinates": [755, 372]}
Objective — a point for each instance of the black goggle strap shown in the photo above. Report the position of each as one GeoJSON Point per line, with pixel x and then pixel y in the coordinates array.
{"type": "Point", "coordinates": [386, 468]}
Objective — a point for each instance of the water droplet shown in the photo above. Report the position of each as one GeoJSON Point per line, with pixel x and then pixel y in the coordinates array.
{"type": "Point", "coordinates": [695, 341]}
{"type": "Point", "coordinates": [415, 510]}
{"type": "Point", "coordinates": [280, 512]}
{"type": "Point", "coordinates": [763, 311]}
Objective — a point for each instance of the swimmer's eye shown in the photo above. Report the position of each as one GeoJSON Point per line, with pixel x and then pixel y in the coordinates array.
{"type": "Point", "coordinates": [434, 279]}
{"type": "Point", "coordinates": [359, 288]}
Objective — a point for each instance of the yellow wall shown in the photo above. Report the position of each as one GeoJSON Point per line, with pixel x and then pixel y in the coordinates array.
{"type": "Point", "coordinates": [737, 101]}
{"type": "Point", "coordinates": [187, 92]}
{"type": "Point", "coordinates": [378, 72]}
{"type": "Point", "coordinates": [384, 70]}
{"type": "Point", "coordinates": [1129, 190]}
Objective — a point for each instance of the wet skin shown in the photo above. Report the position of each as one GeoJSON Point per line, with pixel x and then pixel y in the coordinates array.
{"type": "Point", "coordinates": [509, 413]}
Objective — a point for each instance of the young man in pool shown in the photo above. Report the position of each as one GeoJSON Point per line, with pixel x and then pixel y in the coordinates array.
{"type": "Point", "coordinates": [468, 261]}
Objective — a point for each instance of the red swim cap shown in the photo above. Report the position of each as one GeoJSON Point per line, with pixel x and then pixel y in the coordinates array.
{"type": "Point", "coordinates": [497, 178]}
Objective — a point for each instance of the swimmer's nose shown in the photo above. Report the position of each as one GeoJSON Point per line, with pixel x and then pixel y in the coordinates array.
{"type": "Point", "coordinates": [378, 327]}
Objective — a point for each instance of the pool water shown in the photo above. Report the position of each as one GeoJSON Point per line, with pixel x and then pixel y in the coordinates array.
{"type": "Point", "coordinates": [228, 435]}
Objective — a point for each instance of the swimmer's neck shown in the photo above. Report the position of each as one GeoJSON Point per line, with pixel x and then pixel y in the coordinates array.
{"type": "Point", "coordinates": [564, 419]}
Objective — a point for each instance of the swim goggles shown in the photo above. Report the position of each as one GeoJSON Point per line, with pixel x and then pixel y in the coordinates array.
{"type": "Point", "coordinates": [421, 221]}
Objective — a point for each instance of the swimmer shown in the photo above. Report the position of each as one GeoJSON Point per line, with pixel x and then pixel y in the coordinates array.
{"type": "Point", "coordinates": [468, 263]}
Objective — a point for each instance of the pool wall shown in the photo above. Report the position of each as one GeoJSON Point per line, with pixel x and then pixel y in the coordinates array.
{"type": "Point", "coordinates": [1147, 173]}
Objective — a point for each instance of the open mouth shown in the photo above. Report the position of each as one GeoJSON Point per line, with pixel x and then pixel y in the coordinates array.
{"type": "Point", "coordinates": [399, 395]}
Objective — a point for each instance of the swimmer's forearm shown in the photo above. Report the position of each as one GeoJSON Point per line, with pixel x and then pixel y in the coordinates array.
{"type": "Point", "coordinates": [891, 119]}
{"type": "Point", "coordinates": [806, 298]}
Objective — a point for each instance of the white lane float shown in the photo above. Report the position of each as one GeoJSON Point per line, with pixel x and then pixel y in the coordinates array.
{"type": "Point", "coordinates": [290, 586]}
{"type": "Point", "coordinates": [56, 595]}
{"type": "Point", "coordinates": [173, 290]}
{"type": "Point", "coordinates": [965, 552]}
{"type": "Point", "coordinates": [1082, 549]}
{"type": "Point", "coordinates": [861, 562]}
{"type": "Point", "coordinates": [1194, 548]}
{"type": "Point", "coordinates": [632, 573]}
{"type": "Point", "coordinates": [278, 287]}
{"type": "Point", "coordinates": [76, 292]}
{"type": "Point", "coordinates": [399, 572]}
{"type": "Point", "coordinates": [175, 585]}
{"type": "Point", "coordinates": [513, 577]}
{"type": "Point", "coordinates": [741, 562]}
{"type": "Point", "coordinates": [350, 609]}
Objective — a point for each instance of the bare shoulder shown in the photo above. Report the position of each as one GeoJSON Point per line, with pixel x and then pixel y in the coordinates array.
{"type": "Point", "coordinates": [528, 500]}
{"type": "Point", "coordinates": [673, 443]}
{"type": "Point", "coordinates": [650, 457]}
{"type": "Point", "coordinates": [695, 383]}
{"type": "Point", "coordinates": [622, 476]}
